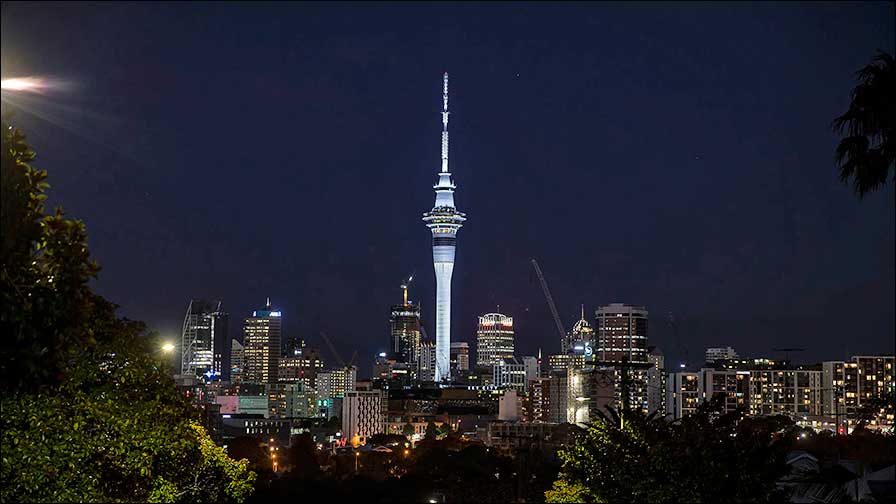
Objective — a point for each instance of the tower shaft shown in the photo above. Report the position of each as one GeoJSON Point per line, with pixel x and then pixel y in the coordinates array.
{"type": "Point", "coordinates": [443, 221]}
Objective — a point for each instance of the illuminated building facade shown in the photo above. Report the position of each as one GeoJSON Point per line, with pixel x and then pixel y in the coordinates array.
{"type": "Point", "coordinates": [404, 328]}
{"type": "Point", "coordinates": [622, 333]}
{"type": "Point", "coordinates": [791, 392]}
{"type": "Point", "coordinates": [261, 345]}
{"type": "Point", "coordinates": [302, 367]}
{"type": "Point", "coordinates": [656, 382]}
{"type": "Point", "coordinates": [720, 354]}
{"type": "Point", "coordinates": [539, 400]}
{"type": "Point", "coordinates": [861, 383]}
{"type": "Point", "coordinates": [427, 362]}
{"type": "Point", "coordinates": [494, 339]}
{"type": "Point", "coordinates": [510, 373]}
{"type": "Point", "coordinates": [443, 221]}
{"type": "Point", "coordinates": [460, 356]}
{"type": "Point", "coordinates": [684, 393]}
{"type": "Point", "coordinates": [582, 333]}
{"type": "Point", "coordinates": [237, 362]}
{"type": "Point", "coordinates": [363, 415]}
{"type": "Point", "coordinates": [205, 345]}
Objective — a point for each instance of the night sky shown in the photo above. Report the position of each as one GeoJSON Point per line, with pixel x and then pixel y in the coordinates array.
{"type": "Point", "coordinates": [674, 156]}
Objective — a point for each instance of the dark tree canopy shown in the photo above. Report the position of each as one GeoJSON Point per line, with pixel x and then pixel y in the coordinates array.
{"type": "Point", "coordinates": [704, 457]}
{"type": "Point", "coordinates": [867, 152]}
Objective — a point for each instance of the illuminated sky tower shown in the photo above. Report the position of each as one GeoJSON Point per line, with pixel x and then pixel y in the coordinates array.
{"type": "Point", "coordinates": [443, 220]}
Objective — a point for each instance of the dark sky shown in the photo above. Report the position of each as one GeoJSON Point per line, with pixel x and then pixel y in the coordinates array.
{"type": "Point", "coordinates": [677, 156]}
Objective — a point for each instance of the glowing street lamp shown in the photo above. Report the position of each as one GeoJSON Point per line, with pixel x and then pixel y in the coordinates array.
{"type": "Point", "coordinates": [168, 347]}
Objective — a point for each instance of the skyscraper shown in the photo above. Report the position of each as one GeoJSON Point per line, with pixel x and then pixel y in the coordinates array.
{"type": "Point", "coordinates": [404, 328]}
{"type": "Point", "coordinates": [261, 345]}
{"type": "Point", "coordinates": [622, 333]}
{"type": "Point", "coordinates": [443, 220]}
{"type": "Point", "coordinates": [494, 339]}
{"type": "Point", "coordinates": [427, 362]}
{"type": "Point", "coordinates": [205, 346]}
{"type": "Point", "coordinates": [582, 332]}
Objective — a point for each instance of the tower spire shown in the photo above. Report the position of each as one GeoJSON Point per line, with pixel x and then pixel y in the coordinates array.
{"type": "Point", "coordinates": [445, 123]}
{"type": "Point", "coordinates": [583, 311]}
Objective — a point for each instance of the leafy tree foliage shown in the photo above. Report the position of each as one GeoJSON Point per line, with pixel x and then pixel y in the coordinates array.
{"type": "Point", "coordinates": [867, 154]}
{"type": "Point", "coordinates": [89, 412]}
{"type": "Point", "coordinates": [705, 457]}
{"type": "Point", "coordinates": [407, 430]}
{"type": "Point", "coordinates": [431, 432]}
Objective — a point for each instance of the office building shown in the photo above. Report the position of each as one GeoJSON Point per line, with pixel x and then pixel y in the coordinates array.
{"type": "Point", "coordinates": [205, 345]}
{"type": "Point", "coordinates": [427, 362]}
{"type": "Point", "coordinates": [261, 345]}
{"type": "Point", "coordinates": [334, 383]}
{"type": "Point", "coordinates": [404, 328]}
{"type": "Point", "coordinates": [301, 366]}
{"type": "Point", "coordinates": [510, 373]}
{"type": "Point", "coordinates": [237, 364]}
{"type": "Point", "coordinates": [582, 333]}
{"type": "Point", "coordinates": [460, 356]}
{"type": "Point", "coordinates": [622, 334]}
{"type": "Point", "coordinates": [494, 339]}
{"type": "Point", "coordinates": [531, 366]}
{"type": "Point", "coordinates": [444, 221]}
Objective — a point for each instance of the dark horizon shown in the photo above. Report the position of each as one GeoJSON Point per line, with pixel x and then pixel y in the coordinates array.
{"type": "Point", "coordinates": [678, 157]}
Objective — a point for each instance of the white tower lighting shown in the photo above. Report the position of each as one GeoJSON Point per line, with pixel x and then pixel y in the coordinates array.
{"type": "Point", "coordinates": [444, 220]}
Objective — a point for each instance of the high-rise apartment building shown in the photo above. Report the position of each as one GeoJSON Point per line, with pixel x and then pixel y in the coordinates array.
{"type": "Point", "coordinates": [857, 387]}
{"type": "Point", "coordinates": [363, 415]}
{"type": "Point", "coordinates": [792, 392]}
{"type": "Point", "coordinates": [205, 345]}
{"type": "Point", "coordinates": [261, 345]}
{"type": "Point", "coordinates": [684, 393]}
{"type": "Point", "coordinates": [656, 382]}
{"type": "Point", "coordinates": [494, 339]}
{"type": "Point", "coordinates": [540, 400]}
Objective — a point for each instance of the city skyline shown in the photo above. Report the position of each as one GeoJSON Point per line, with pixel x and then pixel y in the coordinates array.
{"type": "Point", "coordinates": [740, 229]}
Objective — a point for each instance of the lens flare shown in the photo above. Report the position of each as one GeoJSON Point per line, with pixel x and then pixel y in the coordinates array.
{"type": "Point", "coordinates": [23, 84]}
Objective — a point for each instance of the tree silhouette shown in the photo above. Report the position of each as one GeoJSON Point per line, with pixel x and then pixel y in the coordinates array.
{"type": "Point", "coordinates": [866, 154]}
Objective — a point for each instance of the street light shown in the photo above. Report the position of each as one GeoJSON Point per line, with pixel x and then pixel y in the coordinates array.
{"type": "Point", "coordinates": [168, 347]}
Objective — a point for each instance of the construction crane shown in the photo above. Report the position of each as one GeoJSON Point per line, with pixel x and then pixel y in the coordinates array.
{"type": "Point", "coordinates": [333, 349]}
{"type": "Point", "coordinates": [404, 288]}
{"type": "Point", "coordinates": [550, 299]}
